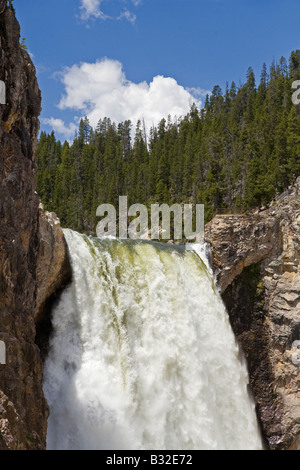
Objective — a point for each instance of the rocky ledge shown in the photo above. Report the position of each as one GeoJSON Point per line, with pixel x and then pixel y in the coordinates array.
{"type": "Point", "coordinates": [256, 261]}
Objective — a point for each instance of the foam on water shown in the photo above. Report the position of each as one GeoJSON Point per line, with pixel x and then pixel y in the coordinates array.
{"type": "Point", "coordinates": [143, 355]}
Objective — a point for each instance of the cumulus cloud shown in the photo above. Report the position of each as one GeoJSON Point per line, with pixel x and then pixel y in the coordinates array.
{"type": "Point", "coordinates": [91, 9]}
{"type": "Point", "coordinates": [59, 126]}
{"type": "Point", "coordinates": [101, 89]}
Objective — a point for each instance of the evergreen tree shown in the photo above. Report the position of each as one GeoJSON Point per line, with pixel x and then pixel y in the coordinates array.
{"type": "Point", "coordinates": [239, 151]}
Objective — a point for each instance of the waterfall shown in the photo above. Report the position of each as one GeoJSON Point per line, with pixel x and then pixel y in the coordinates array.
{"type": "Point", "coordinates": [142, 354]}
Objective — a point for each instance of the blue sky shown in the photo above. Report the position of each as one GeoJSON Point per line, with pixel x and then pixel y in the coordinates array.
{"type": "Point", "coordinates": [131, 59]}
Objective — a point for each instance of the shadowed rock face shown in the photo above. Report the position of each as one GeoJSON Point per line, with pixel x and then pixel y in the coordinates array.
{"type": "Point", "coordinates": [256, 261]}
{"type": "Point", "coordinates": [23, 409]}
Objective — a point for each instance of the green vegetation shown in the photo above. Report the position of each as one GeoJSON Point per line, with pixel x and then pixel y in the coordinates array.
{"type": "Point", "coordinates": [23, 44]}
{"type": "Point", "coordinates": [239, 152]}
{"type": "Point", "coordinates": [11, 5]}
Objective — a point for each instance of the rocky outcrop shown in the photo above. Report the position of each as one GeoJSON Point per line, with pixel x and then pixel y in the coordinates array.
{"type": "Point", "coordinates": [53, 274]}
{"type": "Point", "coordinates": [23, 409]}
{"type": "Point", "coordinates": [53, 265]}
{"type": "Point", "coordinates": [256, 262]}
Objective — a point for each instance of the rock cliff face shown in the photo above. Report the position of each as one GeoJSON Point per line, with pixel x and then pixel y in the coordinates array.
{"type": "Point", "coordinates": [256, 261]}
{"type": "Point", "coordinates": [24, 234]}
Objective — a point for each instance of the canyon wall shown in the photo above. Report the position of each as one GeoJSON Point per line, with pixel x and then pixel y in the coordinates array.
{"type": "Point", "coordinates": [256, 261]}
{"type": "Point", "coordinates": [32, 249]}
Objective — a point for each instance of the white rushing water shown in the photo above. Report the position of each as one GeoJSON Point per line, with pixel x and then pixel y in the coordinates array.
{"type": "Point", "coordinates": [143, 355]}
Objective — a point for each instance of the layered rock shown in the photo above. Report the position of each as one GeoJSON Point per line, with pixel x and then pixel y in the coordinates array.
{"type": "Point", "coordinates": [256, 261]}
{"type": "Point", "coordinates": [23, 409]}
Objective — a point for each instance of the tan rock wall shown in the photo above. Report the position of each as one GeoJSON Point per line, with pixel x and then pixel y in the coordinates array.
{"type": "Point", "coordinates": [256, 261]}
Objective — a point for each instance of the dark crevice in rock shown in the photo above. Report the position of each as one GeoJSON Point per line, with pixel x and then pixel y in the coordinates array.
{"type": "Point", "coordinates": [44, 327]}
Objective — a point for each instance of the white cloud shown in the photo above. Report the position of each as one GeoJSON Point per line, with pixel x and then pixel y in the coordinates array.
{"type": "Point", "coordinates": [91, 9]}
{"type": "Point", "coordinates": [198, 92]}
{"type": "Point", "coordinates": [101, 89]}
{"type": "Point", "coordinates": [59, 126]}
{"type": "Point", "coordinates": [128, 16]}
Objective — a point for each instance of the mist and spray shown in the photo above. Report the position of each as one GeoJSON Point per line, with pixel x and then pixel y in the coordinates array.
{"type": "Point", "coordinates": [142, 354]}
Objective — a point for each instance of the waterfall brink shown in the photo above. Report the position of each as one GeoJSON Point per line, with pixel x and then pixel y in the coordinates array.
{"type": "Point", "coordinates": [143, 355]}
